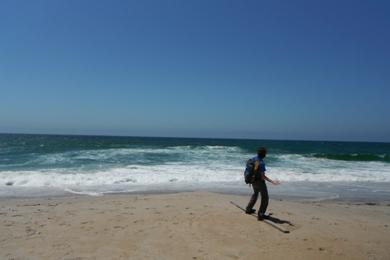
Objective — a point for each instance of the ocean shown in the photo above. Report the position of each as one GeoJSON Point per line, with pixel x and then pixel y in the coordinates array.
{"type": "Point", "coordinates": [49, 165]}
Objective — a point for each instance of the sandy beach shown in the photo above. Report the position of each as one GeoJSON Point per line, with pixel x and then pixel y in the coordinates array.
{"type": "Point", "coordinates": [192, 225]}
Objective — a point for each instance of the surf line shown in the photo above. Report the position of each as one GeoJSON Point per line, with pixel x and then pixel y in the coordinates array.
{"type": "Point", "coordinates": [276, 226]}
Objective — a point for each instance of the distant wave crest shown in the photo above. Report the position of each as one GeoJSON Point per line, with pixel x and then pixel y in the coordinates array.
{"type": "Point", "coordinates": [354, 157]}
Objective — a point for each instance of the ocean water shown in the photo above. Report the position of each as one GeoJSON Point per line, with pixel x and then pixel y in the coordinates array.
{"type": "Point", "coordinates": [40, 165]}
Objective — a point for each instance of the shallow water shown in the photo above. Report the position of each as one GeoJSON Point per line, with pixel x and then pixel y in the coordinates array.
{"type": "Point", "coordinates": [50, 164]}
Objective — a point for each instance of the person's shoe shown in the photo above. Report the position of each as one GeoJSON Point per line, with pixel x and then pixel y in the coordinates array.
{"type": "Point", "coordinates": [250, 211]}
{"type": "Point", "coordinates": [261, 217]}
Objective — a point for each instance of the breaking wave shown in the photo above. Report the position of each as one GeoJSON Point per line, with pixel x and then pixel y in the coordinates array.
{"type": "Point", "coordinates": [355, 157]}
{"type": "Point", "coordinates": [86, 166]}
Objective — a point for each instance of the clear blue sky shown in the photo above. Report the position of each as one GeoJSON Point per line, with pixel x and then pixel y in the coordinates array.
{"type": "Point", "coordinates": [248, 69]}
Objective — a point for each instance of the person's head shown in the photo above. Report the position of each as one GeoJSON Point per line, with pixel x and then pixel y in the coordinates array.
{"type": "Point", "coordinates": [262, 152]}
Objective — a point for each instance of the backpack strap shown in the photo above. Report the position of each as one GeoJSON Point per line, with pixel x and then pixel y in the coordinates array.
{"type": "Point", "coordinates": [257, 164]}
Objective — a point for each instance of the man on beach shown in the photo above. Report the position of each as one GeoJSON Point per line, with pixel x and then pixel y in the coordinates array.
{"type": "Point", "coordinates": [259, 185]}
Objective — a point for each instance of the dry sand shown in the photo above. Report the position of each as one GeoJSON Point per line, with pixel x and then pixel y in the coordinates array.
{"type": "Point", "coordinates": [195, 225]}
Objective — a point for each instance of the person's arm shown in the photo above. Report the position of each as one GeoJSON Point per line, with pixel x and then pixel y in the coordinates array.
{"type": "Point", "coordinates": [264, 177]}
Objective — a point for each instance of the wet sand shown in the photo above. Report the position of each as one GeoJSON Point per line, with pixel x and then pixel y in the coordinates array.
{"type": "Point", "coordinates": [189, 225]}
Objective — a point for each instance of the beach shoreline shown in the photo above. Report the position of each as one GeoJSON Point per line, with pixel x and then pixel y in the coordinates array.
{"type": "Point", "coordinates": [188, 225]}
{"type": "Point", "coordinates": [372, 193]}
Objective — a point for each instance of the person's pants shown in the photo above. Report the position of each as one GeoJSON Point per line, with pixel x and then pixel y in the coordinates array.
{"type": "Point", "coordinates": [262, 188]}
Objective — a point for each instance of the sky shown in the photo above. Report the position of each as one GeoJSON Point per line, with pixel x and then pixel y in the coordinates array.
{"type": "Point", "coordinates": [307, 70]}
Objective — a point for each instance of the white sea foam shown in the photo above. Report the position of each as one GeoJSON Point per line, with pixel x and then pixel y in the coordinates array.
{"type": "Point", "coordinates": [117, 154]}
{"type": "Point", "coordinates": [191, 173]}
{"type": "Point", "coordinates": [125, 168]}
{"type": "Point", "coordinates": [89, 193]}
{"type": "Point", "coordinates": [293, 167]}
{"type": "Point", "coordinates": [133, 174]}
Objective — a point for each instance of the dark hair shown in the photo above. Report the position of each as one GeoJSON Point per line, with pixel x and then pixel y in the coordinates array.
{"type": "Point", "coordinates": [261, 152]}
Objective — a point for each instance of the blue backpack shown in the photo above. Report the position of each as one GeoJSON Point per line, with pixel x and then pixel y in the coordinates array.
{"type": "Point", "coordinates": [250, 172]}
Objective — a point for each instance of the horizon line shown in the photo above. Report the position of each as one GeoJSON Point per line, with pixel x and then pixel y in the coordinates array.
{"type": "Point", "coordinates": [192, 137]}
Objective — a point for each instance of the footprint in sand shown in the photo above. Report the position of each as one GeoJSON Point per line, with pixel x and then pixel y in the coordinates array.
{"type": "Point", "coordinates": [119, 227]}
{"type": "Point", "coordinates": [73, 258]}
{"type": "Point", "coordinates": [30, 231]}
{"type": "Point", "coordinates": [9, 224]}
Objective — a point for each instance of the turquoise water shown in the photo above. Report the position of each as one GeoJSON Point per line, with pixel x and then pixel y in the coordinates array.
{"type": "Point", "coordinates": [43, 164]}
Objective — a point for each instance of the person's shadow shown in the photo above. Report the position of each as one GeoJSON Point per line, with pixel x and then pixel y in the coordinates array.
{"type": "Point", "coordinates": [278, 220]}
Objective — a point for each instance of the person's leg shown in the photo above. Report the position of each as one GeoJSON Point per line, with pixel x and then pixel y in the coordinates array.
{"type": "Point", "coordinates": [264, 198]}
{"type": "Point", "coordinates": [253, 199]}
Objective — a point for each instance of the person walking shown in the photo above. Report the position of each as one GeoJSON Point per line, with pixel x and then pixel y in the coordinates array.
{"type": "Point", "coordinates": [260, 186]}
